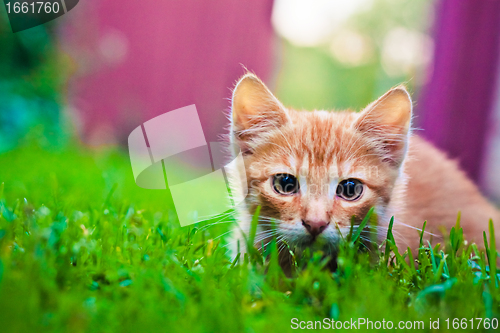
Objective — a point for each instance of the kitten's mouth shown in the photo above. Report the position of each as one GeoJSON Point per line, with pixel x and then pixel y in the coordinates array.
{"type": "Point", "coordinates": [307, 242]}
{"type": "Point", "coordinates": [311, 240]}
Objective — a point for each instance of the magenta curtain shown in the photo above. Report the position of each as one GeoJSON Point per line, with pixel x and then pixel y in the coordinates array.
{"type": "Point", "coordinates": [454, 107]}
{"type": "Point", "coordinates": [139, 59]}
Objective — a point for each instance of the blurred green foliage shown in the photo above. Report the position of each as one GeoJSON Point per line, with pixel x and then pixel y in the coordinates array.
{"type": "Point", "coordinates": [32, 76]}
{"type": "Point", "coordinates": [312, 78]}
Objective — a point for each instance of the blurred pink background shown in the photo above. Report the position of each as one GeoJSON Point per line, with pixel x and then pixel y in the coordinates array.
{"type": "Point", "coordinates": [137, 60]}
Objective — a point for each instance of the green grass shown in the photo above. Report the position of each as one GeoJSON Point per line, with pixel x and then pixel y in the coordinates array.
{"type": "Point", "coordinates": [83, 249]}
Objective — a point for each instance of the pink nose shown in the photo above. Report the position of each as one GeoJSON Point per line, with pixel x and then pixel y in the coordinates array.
{"type": "Point", "coordinates": [315, 227]}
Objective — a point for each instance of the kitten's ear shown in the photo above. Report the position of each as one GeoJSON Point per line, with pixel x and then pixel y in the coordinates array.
{"type": "Point", "coordinates": [254, 108]}
{"type": "Point", "coordinates": [388, 121]}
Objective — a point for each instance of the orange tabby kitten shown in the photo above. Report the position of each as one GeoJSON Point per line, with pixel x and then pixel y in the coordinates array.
{"type": "Point", "coordinates": [312, 171]}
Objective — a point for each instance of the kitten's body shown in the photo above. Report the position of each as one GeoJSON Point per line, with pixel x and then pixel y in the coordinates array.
{"type": "Point", "coordinates": [400, 175]}
{"type": "Point", "coordinates": [436, 191]}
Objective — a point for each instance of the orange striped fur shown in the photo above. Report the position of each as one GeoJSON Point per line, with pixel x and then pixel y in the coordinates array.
{"type": "Point", "coordinates": [402, 175]}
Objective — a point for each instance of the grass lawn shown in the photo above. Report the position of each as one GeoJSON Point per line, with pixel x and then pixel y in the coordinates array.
{"type": "Point", "coordinates": [82, 248]}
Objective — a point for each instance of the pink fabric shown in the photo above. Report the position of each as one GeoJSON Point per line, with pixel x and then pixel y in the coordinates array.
{"type": "Point", "coordinates": [177, 53]}
{"type": "Point", "coordinates": [454, 110]}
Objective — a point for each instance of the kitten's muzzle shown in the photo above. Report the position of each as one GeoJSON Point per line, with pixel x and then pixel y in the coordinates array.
{"type": "Point", "coordinates": [315, 227]}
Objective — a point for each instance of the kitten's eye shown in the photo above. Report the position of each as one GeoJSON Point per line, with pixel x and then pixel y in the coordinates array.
{"type": "Point", "coordinates": [285, 183]}
{"type": "Point", "coordinates": [350, 189]}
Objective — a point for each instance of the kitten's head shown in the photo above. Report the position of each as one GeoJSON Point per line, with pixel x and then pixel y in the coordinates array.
{"type": "Point", "coordinates": [313, 171]}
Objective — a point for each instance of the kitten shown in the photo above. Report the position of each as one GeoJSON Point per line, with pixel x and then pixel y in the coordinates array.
{"type": "Point", "coordinates": [312, 171]}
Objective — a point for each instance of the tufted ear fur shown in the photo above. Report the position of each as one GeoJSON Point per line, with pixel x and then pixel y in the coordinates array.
{"type": "Point", "coordinates": [388, 121]}
{"type": "Point", "coordinates": [254, 110]}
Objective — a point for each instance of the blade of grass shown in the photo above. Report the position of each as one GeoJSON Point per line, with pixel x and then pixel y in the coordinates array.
{"type": "Point", "coordinates": [390, 237]}
{"type": "Point", "coordinates": [351, 229]}
{"type": "Point", "coordinates": [439, 271]}
{"type": "Point", "coordinates": [446, 271]}
{"type": "Point", "coordinates": [412, 261]}
{"type": "Point", "coordinates": [493, 256]}
{"type": "Point", "coordinates": [433, 258]}
{"type": "Point", "coordinates": [422, 234]}
{"type": "Point", "coordinates": [486, 247]}
{"type": "Point", "coordinates": [362, 225]}
{"type": "Point", "coordinates": [399, 257]}
{"type": "Point", "coordinates": [253, 227]}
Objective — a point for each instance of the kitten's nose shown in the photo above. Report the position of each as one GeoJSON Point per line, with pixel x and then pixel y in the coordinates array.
{"type": "Point", "coordinates": [315, 227]}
